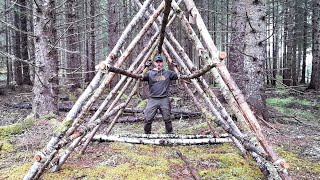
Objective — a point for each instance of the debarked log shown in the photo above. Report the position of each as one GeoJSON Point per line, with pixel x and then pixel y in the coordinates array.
{"type": "Point", "coordinates": [160, 141]}
{"type": "Point", "coordinates": [66, 106]}
{"type": "Point", "coordinates": [133, 119]}
{"type": "Point", "coordinates": [170, 136]}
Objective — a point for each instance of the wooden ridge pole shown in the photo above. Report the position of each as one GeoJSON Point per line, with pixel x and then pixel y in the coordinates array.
{"type": "Point", "coordinates": [235, 89]}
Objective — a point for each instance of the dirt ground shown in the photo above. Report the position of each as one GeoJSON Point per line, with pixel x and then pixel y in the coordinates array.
{"type": "Point", "coordinates": [295, 137]}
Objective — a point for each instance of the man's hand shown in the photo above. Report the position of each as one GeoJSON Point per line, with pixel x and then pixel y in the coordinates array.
{"type": "Point", "coordinates": [148, 63]}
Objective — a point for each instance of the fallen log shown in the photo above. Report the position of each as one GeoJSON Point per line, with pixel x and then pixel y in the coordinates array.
{"type": "Point", "coordinates": [169, 136]}
{"type": "Point", "coordinates": [133, 119]}
{"type": "Point", "coordinates": [192, 170]}
{"type": "Point", "coordinates": [66, 106]}
{"type": "Point", "coordinates": [160, 141]}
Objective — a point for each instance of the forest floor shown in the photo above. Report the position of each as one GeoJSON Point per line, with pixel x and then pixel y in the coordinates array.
{"type": "Point", "coordinates": [294, 134]}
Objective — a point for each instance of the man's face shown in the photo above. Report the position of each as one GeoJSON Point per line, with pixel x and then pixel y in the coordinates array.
{"type": "Point", "coordinates": [159, 64]}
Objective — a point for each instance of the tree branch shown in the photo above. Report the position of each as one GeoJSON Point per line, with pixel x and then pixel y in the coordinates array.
{"type": "Point", "coordinates": [199, 72]}
{"type": "Point", "coordinates": [123, 72]}
{"type": "Point", "coordinates": [14, 58]}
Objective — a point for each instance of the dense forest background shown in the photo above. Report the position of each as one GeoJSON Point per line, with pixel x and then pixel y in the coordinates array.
{"type": "Point", "coordinates": [51, 50]}
{"type": "Point", "coordinates": [77, 35]}
{"type": "Point", "coordinates": [82, 33]}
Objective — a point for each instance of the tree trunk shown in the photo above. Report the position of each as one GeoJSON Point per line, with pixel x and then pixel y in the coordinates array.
{"type": "Point", "coordinates": [73, 56]}
{"type": "Point", "coordinates": [24, 43]}
{"type": "Point", "coordinates": [285, 67]}
{"type": "Point", "coordinates": [45, 87]}
{"type": "Point", "coordinates": [305, 43]}
{"type": "Point", "coordinates": [92, 45]}
{"type": "Point", "coordinates": [296, 33]}
{"type": "Point", "coordinates": [17, 49]}
{"type": "Point", "coordinates": [276, 27]}
{"type": "Point", "coordinates": [236, 56]}
{"type": "Point", "coordinates": [7, 39]}
{"type": "Point", "coordinates": [287, 79]}
{"type": "Point", "coordinates": [315, 75]}
{"type": "Point", "coordinates": [253, 50]}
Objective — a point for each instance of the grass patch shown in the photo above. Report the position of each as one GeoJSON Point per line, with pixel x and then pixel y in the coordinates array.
{"type": "Point", "coordinates": [290, 100]}
{"type": "Point", "coordinates": [298, 164]}
{"type": "Point", "coordinates": [14, 172]}
{"type": "Point", "coordinates": [17, 128]}
{"type": "Point", "coordinates": [153, 163]}
{"type": "Point", "coordinates": [142, 104]}
{"type": "Point", "coordinates": [5, 145]}
{"type": "Point", "coordinates": [292, 107]}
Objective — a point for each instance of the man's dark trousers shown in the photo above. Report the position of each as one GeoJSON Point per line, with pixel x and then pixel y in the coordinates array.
{"type": "Point", "coordinates": [163, 104]}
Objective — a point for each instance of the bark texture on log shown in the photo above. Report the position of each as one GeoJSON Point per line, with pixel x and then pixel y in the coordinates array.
{"type": "Point", "coordinates": [160, 141]}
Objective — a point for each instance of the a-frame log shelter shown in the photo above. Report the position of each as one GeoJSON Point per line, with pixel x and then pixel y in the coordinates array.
{"type": "Point", "coordinates": [78, 128]}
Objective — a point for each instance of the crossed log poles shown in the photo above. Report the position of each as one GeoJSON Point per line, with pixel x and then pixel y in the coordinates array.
{"type": "Point", "coordinates": [77, 129]}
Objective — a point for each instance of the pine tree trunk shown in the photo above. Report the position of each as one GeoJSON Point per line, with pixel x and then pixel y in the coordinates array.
{"type": "Point", "coordinates": [315, 75]}
{"type": "Point", "coordinates": [285, 47]}
{"type": "Point", "coordinates": [92, 45]}
{"type": "Point", "coordinates": [254, 51]}
{"type": "Point", "coordinates": [287, 78]}
{"type": "Point", "coordinates": [305, 43]}
{"type": "Point", "coordinates": [7, 39]}
{"type": "Point", "coordinates": [17, 49]}
{"type": "Point", "coordinates": [295, 46]}
{"type": "Point", "coordinates": [73, 56]}
{"type": "Point", "coordinates": [275, 53]}
{"type": "Point", "coordinates": [236, 56]}
{"type": "Point", "coordinates": [24, 43]}
{"type": "Point", "coordinates": [45, 87]}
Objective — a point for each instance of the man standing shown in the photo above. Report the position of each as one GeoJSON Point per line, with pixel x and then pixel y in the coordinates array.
{"type": "Point", "coordinates": [159, 81]}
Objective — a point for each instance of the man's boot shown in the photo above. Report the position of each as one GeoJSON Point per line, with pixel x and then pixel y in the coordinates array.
{"type": "Point", "coordinates": [169, 129]}
{"type": "Point", "coordinates": [147, 128]}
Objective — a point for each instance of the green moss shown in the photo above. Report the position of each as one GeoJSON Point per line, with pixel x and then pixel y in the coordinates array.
{"type": "Point", "coordinates": [300, 114]}
{"type": "Point", "coordinates": [232, 173]}
{"type": "Point", "coordinates": [16, 128]}
{"type": "Point", "coordinates": [142, 104]}
{"type": "Point", "coordinates": [15, 172]}
{"type": "Point", "coordinates": [5, 145]}
{"type": "Point", "coordinates": [65, 124]}
{"type": "Point", "coordinates": [279, 101]}
{"type": "Point", "coordinates": [284, 106]}
{"type": "Point", "coordinates": [73, 97]}
{"type": "Point", "coordinates": [124, 97]}
{"type": "Point", "coordinates": [298, 164]}
{"type": "Point", "coordinates": [49, 116]}
{"type": "Point", "coordinates": [290, 100]}
{"type": "Point", "coordinates": [154, 162]}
